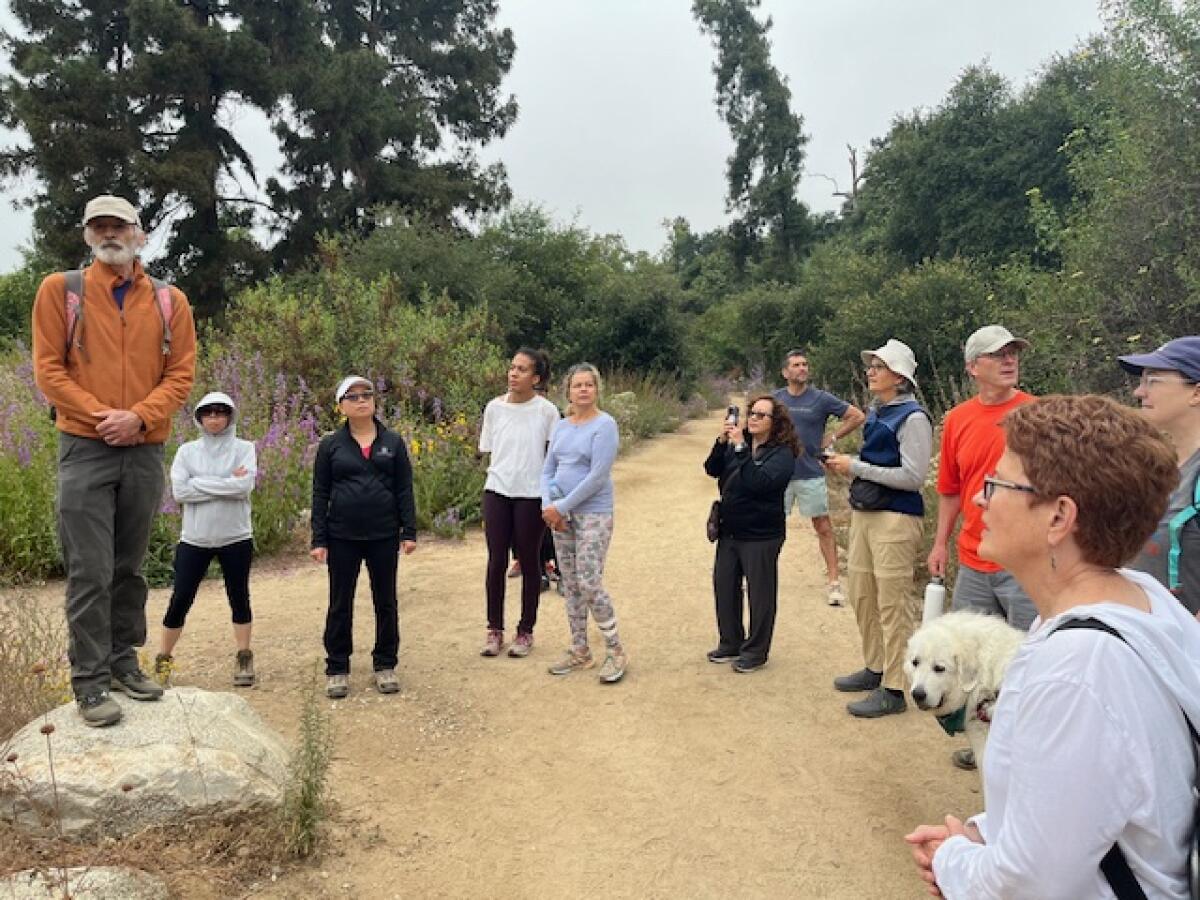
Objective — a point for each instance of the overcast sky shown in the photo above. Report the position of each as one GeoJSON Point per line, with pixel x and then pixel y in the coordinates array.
{"type": "Point", "coordinates": [618, 130]}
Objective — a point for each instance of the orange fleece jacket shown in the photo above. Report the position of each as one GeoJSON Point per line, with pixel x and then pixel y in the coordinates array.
{"type": "Point", "coordinates": [121, 364]}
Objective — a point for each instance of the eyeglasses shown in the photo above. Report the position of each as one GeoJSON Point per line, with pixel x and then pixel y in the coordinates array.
{"type": "Point", "coordinates": [876, 367]}
{"type": "Point", "coordinates": [755, 414]}
{"type": "Point", "coordinates": [991, 482]}
{"type": "Point", "coordinates": [213, 411]}
{"type": "Point", "coordinates": [362, 395]}
{"type": "Point", "coordinates": [1149, 380]}
{"type": "Point", "coordinates": [1003, 353]}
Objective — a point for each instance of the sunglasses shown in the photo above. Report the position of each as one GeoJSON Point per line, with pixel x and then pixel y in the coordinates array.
{"type": "Point", "coordinates": [991, 482]}
{"type": "Point", "coordinates": [359, 395]}
{"type": "Point", "coordinates": [214, 411]}
{"type": "Point", "coordinates": [755, 414]}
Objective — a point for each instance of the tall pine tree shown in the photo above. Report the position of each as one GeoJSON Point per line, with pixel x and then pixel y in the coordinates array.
{"type": "Point", "coordinates": [768, 157]}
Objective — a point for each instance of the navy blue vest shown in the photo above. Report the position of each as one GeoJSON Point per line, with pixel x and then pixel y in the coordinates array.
{"type": "Point", "coordinates": [881, 447]}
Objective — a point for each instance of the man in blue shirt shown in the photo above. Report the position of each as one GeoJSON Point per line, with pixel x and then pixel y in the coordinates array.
{"type": "Point", "coordinates": [810, 409]}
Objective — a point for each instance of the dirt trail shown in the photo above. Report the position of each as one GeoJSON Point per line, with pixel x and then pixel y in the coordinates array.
{"type": "Point", "coordinates": [491, 777]}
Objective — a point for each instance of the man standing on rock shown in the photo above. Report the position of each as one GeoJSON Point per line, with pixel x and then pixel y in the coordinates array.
{"type": "Point", "coordinates": [972, 443]}
{"type": "Point", "coordinates": [114, 352]}
{"type": "Point", "coordinates": [810, 409]}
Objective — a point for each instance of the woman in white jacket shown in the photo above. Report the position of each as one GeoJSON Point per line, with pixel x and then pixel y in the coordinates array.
{"type": "Point", "coordinates": [211, 478]}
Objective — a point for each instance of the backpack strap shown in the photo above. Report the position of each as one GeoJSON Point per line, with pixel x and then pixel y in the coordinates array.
{"type": "Point", "coordinates": [165, 304]}
{"type": "Point", "coordinates": [1175, 530]}
{"type": "Point", "coordinates": [1114, 865]}
{"type": "Point", "coordinates": [73, 304]}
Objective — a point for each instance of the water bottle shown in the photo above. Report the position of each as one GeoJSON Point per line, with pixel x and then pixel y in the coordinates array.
{"type": "Point", "coordinates": [731, 418]}
{"type": "Point", "coordinates": [935, 599]}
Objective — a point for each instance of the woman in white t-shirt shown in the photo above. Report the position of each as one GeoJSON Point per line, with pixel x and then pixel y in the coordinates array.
{"type": "Point", "coordinates": [1089, 764]}
{"type": "Point", "coordinates": [516, 429]}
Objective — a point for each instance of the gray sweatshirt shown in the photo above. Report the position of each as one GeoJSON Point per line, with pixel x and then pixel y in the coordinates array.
{"type": "Point", "coordinates": [216, 503]}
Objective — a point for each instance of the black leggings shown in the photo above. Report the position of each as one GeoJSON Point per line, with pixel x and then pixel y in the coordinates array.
{"type": "Point", "coordinates": [513, 522]}
{"type": "Point", "coordinates": [345, 559]}
{"type": "Point", "coordinates": [191, 565]}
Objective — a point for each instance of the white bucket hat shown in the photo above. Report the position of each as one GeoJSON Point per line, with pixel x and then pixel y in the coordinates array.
{"type": "Point", "coordinates": [897, 356]}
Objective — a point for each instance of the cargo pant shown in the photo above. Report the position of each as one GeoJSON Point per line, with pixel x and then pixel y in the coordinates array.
{"type": "Point", "coordinates": [107, 499]}
{"type": "Point", "coordinates": [883, 550]}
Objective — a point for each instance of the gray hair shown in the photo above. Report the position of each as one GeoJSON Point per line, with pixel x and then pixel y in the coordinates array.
{"type": "Point", "coordinates": [582, 368]}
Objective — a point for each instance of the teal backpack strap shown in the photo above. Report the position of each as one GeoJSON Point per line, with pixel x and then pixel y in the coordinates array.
{"type": "Point", "coordinates": [73, 304]}
{"type": "Point", "coordinates": [1175, 529]}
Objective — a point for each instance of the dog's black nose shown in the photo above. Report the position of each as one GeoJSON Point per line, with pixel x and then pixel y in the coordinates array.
{"type": "Point", "coordinates": [918, 694]}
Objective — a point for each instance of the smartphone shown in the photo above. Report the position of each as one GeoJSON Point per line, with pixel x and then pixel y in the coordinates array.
{"type": "Point", "coordinates": [731, 415]}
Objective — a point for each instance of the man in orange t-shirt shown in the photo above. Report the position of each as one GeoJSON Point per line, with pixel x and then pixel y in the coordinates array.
{"type": "Point", "coordinates": [972, 442]}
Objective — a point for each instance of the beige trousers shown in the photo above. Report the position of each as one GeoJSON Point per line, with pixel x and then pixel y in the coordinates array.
{"type": "Point", "coordinates": [883, 550]}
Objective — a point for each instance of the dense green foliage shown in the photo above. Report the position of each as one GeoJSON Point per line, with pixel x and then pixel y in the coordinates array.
{"type": "Point", "coordinates": [135, 98]}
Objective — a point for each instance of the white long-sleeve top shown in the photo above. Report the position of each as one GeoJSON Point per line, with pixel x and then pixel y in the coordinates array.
{"type": "Point", "coordinates": [216, 503]}
{"type": "Point", "coordinates": [1088, 747]}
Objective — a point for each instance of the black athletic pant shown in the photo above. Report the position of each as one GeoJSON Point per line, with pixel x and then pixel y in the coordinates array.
{"type": "Point", "coordinates": [513, 522]}
{"type": "Point", "coordinates": [191, 565]}
{"type": "Point", "coordinates": [758, 563]}
{"type": "Point", "coordinates": [344, 560]}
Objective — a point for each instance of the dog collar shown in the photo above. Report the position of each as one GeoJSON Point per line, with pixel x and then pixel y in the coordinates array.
{"type": "Point", "coordinates": [955, 722]}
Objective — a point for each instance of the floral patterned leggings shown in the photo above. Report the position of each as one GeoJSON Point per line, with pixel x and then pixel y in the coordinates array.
{"type": "Point", "coordinates": [581, 550]}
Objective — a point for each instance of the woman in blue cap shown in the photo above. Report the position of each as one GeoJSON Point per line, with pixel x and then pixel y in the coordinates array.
{"type": "Point", "coordinates": [1168, 391]}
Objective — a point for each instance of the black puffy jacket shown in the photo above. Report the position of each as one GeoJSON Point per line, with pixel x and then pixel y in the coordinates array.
{"type": "Point", "coordinates": [752, 489]}
{"type": "Point", "coordinates": [356, 499]}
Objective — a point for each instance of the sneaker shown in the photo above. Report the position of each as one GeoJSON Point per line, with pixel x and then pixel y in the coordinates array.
{"type": "Point", "coordinates": [613, 668]}
{"type": "Point", "coordinates": [493, 644]}
{"type": "Point", "coordinates": [862, 680]}
{"type": "Point", "coordinates": [880, 702]}
{"type": "Point", "coordinates": [135, 684]}
{"type": "Point", "coordinates": [572, 661]}
{"type": "Point", "coordinates": [521, 645]}
{"type": "Point", "coordinates": [746, 665]}
{"type": "Point", "coordinates": [386, 681]}
{"type": "Point", "coordinates": [243, 669]}
{"type": "Point", "coordinates": [164, 665]}
{"type": "Point", "coordinates": [834, 593]}
{"type": "Point", "coordinates": [964, 759]}
{"type": "Point", "coordinates": [722, 656]}
{"type": "Point", "coordinates": [545, 583]}
{"type": "Point", "coordinates": [514, 571]}
{"type": "Point", "coordinates": [98, 710]}
{"type": "Point", "coordinates": [337, 686]}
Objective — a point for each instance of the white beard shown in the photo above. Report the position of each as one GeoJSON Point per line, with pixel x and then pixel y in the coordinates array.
{"type": "Point", "coordinates": [115, 254]}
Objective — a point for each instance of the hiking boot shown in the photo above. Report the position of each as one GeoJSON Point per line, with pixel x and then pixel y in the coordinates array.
{"type": "Point", "coordinates": [386, 681]}
{"type": "Point", "coordinates": [136, 685]}
{"type": "Point", "coordinates": [880, 702]}
{"type": "Point", "coordinates": [164, 665]}
{"type": "Point", "coordinates": [722, 656]}
{"type": "Point", "coordinates": [572, 661]}
{"type": "Point", "coordinates": [337, 686]}
{"type": "Point", "coordinates": [964, 759]}
{"type": "Point", "coordinates": [862, 680]}
{"type": "Point", "coordinates": [834, 594]}
{"type": "Point", "coordinates": [521, 645]}
{"type": "Point", "coordinates": [748, 665]}
{"type": "Point", "coordinates": [613, 668]}
{"type": "Point", "coordinates": [493, 644]}
{"type": "Point", "coordinates": [98, 710]}
{"type": "Point", "coordinates": [243, 669]}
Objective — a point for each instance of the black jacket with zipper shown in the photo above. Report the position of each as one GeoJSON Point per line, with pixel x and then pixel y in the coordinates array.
{"type": "Point", "coordinates": [752, 488]}
{"type": "Point", "coordinates": [356, 499]}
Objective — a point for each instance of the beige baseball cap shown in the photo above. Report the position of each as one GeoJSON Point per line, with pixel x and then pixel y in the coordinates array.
{"type": "Point", "coordinates": [109, 205]}
{"type": "Point", "coordinates": [989, 339]}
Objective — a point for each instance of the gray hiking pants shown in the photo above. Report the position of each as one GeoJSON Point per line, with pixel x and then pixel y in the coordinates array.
{"type": "Point", "coordinates": [107, 500]}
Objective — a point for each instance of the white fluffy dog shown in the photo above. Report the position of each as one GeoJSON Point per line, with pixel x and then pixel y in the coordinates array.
{"type": "Point", "coordinates": [955, 664]}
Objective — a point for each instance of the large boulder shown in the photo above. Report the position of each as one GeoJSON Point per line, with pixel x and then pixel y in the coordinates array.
{"type": "Point", "coordinates": [97, 883]}
{"type": "Point", "coordinates": [192, 752]}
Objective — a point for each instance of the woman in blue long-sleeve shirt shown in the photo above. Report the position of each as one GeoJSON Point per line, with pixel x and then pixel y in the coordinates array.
{"type": "Point", "coordinates": [577, 504]}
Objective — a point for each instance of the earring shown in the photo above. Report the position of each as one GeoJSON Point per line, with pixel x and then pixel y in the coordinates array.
{"type": "Point", "coordinates": [1053, 562]}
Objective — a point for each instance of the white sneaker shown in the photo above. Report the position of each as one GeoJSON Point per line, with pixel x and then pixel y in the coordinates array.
{"type": "Point", "coordinates": [834, 592]}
